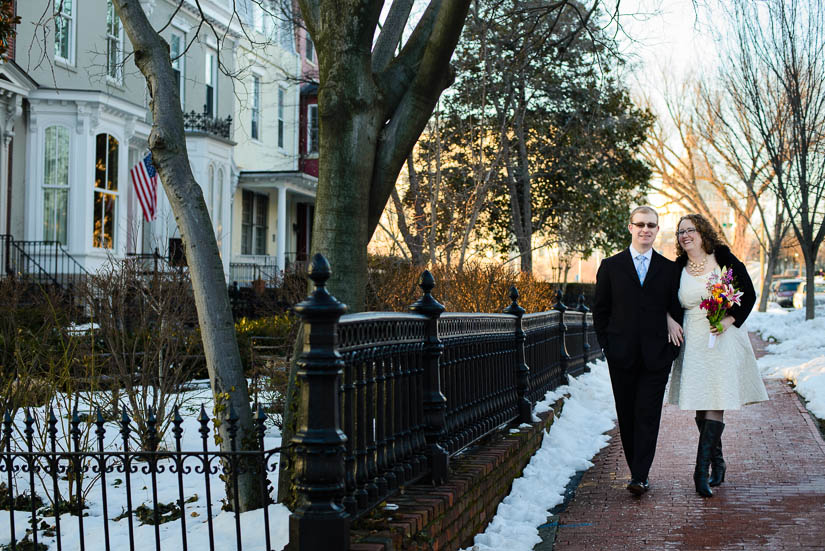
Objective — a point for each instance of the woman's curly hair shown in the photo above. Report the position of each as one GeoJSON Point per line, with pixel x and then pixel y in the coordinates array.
{"type": "Point", "coordinates": [710, 239]}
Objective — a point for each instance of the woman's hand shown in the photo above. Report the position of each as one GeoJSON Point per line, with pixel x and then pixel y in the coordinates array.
{"type": "Point", "coordinates": [726, 322]}
{"type": "Point", "coordinates": [675, 334]}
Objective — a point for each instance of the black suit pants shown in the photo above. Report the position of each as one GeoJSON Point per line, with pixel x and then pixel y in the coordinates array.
{"type": "Point", "coordinates": [639, 394]}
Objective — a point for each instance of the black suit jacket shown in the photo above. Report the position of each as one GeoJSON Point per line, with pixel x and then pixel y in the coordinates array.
{"type": "Point", "coordinates": [630, 319]}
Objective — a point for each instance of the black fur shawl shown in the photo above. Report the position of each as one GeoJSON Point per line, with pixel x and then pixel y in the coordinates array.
{"type": "Point", "coordinates": [741, 281]}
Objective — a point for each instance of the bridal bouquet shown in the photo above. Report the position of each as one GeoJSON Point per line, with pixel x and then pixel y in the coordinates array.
{"type": "Point", "coordinates": [723, 296]}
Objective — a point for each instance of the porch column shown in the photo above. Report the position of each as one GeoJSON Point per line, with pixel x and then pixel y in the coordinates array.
{"type": "Point", "coordinates": [280, 252]}
{"type": "Point", "coordinates": [5, 182]}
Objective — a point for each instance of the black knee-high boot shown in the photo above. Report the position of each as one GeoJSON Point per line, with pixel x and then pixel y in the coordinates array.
{"type": "Point", "coordinates": [711, 431]}
{"type": "Point", "coordinates": [717, 462]}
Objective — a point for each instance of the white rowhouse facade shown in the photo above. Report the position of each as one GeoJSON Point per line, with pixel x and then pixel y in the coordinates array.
{"type": "Point", "coordinates": [74, 119]}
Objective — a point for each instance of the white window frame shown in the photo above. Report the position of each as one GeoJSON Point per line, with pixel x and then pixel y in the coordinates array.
{"type": "Point", "coordinates": [309, 49]}
{"type": "Point", "coordinates": [179, 61]}
{"type": "Point", "coordinates": [256, 231]}
{"type": "Point", "coordinates": [69, 17]}
{"type": "Point", "coordinates": [115, 194]}
{"type": "Point", "coordinates": [210, 190]}
{"type": "Point", "coordinates": [211, 79]}
{"type": "Point", "coordinates": [66, 187]}
{"type": "Point", "coordinates": [312, 114]}
{"type": "Point", "coordinates": [257, 17]}
{"type": "Point", "coordinates": [218, 216]}
{"type": "Point", "coordinates": [114, 73]}
{"type": "Point", "coordinates": [286, 32]}
{"type": "Point", "coordinates": [281, 130]}
{"type": "Point", "coordinates": [255, 110]}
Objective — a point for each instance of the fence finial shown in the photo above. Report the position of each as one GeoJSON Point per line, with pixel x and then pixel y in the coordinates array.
{"type": "Point", "coordinates": [427, 304]}
{"type": "Point", "coordinates": [560, 306]}
{"type": "Point", "coordinates": [319, 270]}
{"type": "Point", "coordinates": [581, 307]}
{"type": "Point", "coordinates": [514, 308]}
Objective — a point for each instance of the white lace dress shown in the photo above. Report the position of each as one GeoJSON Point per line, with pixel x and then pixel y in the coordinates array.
{"type": "Point", "coordinates": [723, 377]}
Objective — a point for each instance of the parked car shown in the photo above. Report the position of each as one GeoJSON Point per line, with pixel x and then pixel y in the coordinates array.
{"type": "Point", "coordinates": [782, 291]}
{"type": "Point", "coordinates": [819, 294]}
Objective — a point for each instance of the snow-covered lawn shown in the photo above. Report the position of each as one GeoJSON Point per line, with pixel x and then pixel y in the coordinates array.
{"type": "Point", "coordinates": [796, 352]}
{"type": "Point", "coordinates": [252, 523]}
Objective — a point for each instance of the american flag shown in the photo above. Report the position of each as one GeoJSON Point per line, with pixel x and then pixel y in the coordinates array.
{"type": "Point", "coordinates": [145, 179]}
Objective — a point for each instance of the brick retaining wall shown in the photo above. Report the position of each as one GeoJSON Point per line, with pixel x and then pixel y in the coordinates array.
{"type": "Point", "coordinates": [447, 518]}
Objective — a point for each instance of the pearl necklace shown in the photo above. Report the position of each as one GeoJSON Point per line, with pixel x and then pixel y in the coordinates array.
{"type": "Point", "coordinates": [696, 268]}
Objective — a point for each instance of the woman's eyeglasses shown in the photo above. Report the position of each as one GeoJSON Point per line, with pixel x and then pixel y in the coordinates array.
{"type": "Point", "coordinates": [686, 231]}
{"type": "Point", "coordinates": [650, 225]}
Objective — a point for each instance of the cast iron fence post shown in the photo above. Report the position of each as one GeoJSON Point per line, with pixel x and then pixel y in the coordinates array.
{"type": "Point", "coordinates": [565, 356]}
{"type": "Point", "coordinates": [585, 340]}
{"type": "Point", "coordinates": [435, 403]}
{"type": "Point", "coordinates": [522, 369]}
{"type": "Point", "coordinates": [319, 522]}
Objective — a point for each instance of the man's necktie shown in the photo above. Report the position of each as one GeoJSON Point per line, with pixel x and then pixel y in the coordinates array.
{"type": "Point", "coordinates": [641, 267]}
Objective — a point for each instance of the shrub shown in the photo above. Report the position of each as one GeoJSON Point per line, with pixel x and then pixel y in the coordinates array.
{"type": "Point", "coordinates": [392, 285]}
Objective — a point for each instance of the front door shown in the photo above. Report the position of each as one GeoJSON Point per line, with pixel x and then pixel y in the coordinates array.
{"type": "Point", "coordinates": [306, 214]}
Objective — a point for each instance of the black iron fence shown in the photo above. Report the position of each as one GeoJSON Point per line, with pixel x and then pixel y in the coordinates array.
{"type": "Point", "coordinates": [205, 122]}
{"type": "Point", "coordinates": [47, 262]}
{"type": "Point", "coordinates": [59, 472]}
{"type": "Point", "coordinates": [246, 274]}
{"type": "Point", "coordinates": [391, 397]}
{"type": "Point", "coordinates": [155, 264]}
{"type": "Point", "coordinates": [387, 399]}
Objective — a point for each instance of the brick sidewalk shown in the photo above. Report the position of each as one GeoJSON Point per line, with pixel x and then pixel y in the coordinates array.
{"type": "Point", "coordinates": [773, 496]}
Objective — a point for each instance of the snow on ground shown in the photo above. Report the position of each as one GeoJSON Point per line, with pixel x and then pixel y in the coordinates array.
{"type": "Point", "coordinates": [574, 438]}
{"type": "Point", "coordinates": [197, 533]}
{"type": "Point", "coordinates": [796, 352]}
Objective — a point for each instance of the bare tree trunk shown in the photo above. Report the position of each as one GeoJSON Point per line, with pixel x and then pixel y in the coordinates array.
{"type": "Point", "coordinates": [167, 142]}
{"type": "Point", "coordinates": [372, 108]}
{"type": "Point", "coordinates": [773, 258]}
{"type": "Point", "coordinates": [436, 191]}
{"type": "Point", "coordinates": [810, 273]}
{"type": "Point", "coordinates": [526, 204]}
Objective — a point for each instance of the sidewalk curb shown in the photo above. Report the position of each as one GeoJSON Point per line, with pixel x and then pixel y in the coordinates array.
{"type": "Point", "coordinates": [808, 417]}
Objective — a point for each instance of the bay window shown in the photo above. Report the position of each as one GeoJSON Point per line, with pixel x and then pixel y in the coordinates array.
{"type": "Point", "coordinates": [105, 191]}
{"type": "Point", "coordinates": [56, 184]}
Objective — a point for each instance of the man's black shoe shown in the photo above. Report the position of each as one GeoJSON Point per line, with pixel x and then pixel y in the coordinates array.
{"type": "Point", "coordinates": [637, 487]}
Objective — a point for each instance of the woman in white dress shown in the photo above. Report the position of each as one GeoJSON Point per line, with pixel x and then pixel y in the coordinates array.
{"type": "Point", "coordinates": [705, 378]}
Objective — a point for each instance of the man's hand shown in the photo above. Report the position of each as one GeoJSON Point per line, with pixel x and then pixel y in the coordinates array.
{"type": "Point", "coordinates": [726, 323]}
{"type": "Point", "coordinates": [675, 334]}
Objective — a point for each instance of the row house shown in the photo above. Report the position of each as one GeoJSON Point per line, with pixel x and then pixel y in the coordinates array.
{"type": "Point", "coordinates": [75, 119]}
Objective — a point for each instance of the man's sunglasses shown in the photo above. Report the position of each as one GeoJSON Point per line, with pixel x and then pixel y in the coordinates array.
{"type": "Point", "coordinates": [650, 225]}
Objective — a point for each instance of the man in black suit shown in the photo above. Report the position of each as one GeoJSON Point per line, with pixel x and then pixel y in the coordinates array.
{"type": "Point", "coordinates": [635, 290]}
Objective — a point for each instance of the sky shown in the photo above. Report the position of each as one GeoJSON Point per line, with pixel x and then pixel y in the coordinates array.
{"type": "Point", "coordinates": [665, 36]}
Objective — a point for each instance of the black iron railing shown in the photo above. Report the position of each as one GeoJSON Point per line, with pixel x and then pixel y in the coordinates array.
{"type": "Point", "coordinates": [204, 122]}
{"type": "Point", "coordinates": [30, 473]}
{"type": "Point", "coordinates": [390, 397]}
{"type": "Point", "coordinates": [43, 263]}
{"type": "Point", "coordinates": [386, 400]}
{"type": "Point", "coordinates": [246, 273]}
{"type": "Point", "coordinates": [155, 264]}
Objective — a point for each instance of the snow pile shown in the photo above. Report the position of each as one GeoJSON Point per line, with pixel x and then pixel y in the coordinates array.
{"type": "Point", "coordinates": [574, 439]}
{"type": "Point", "coordinates": [796, 352]}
